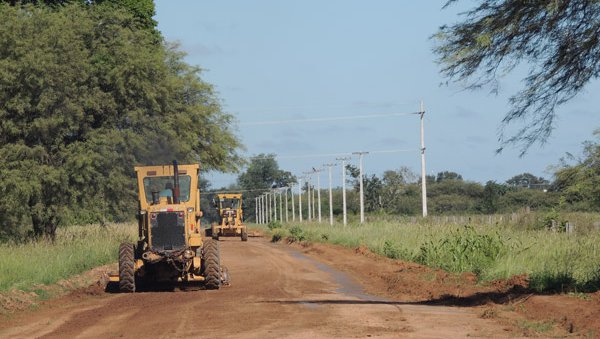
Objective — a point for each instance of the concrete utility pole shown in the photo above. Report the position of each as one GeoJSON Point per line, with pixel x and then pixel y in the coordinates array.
{"type": "Point", "coordinates": [256, 210]}
{"type": "Point", "coordinates": [274, 200]}
{"type": "Point", "coordinates": [300, 198]}
{"type": "Point", "coordinates": [269, 208]}
{"type": "Point", "coordinates": [287, 219]}
{"type": "Point", "coordinates": [423, 176]}
{"type": "Point", "coordinates": [265, 209]}
{"type": "Point", "coordinates": [329, 166]}
{"type": "Point", "coordinates": [271, 198]}
{"type": "Point", "coordinates": [318, 171]}
{"type": "Point", "coordinates": [308, 194]}
{"type": "Point", "coordinates": [343, 160]}
{"type": "Point", "coordinates": [360, 182]}
{"type": "Point", "coordinates": [262, 208]}
{"type": "Point", "coordinates": [293, 211]}
{"type": "Point", "coordinates": [280, 206]}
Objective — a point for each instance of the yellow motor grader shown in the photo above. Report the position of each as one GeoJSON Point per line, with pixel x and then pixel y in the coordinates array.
{"type": "Point", "coordinates": [170, 248]}
{"type": "Point", "coordinates": [229, 209]}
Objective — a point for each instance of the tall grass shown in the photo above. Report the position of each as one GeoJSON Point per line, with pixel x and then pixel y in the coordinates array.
{"type": "Point", "coordinates": [552, 260]}
{"type": "Point", "coordinates": [76, 249]}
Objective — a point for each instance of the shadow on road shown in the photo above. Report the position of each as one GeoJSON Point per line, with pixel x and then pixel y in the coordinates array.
{"type": "Point", "coordinates": [477, 299]}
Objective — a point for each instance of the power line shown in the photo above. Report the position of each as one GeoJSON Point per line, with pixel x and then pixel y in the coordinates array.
{"type": "Point", "coordinates": [318, 106]}
{"type": "Point", "coordinates": [347, 117]}
{"type": "Point", "coordinates": [329, 154]}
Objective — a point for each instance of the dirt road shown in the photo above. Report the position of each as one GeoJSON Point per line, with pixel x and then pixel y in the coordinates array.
{"type": "Point", "coordinates": [276, 292]}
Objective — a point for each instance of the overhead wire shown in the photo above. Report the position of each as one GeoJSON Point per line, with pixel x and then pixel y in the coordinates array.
{"type": "Point", "coordinates": [338, 118]}
{"type": "Point", "coordinates": [328, 154]}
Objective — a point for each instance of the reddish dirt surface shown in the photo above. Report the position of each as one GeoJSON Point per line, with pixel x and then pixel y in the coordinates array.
{"type": "Point", "coordinates": [318, 291]}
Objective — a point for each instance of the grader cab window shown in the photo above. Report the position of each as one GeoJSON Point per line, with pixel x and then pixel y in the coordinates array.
{"type": "Point", "coordinates": [230, 203]}
{"type": "Point", "coordinates": [164, 186]}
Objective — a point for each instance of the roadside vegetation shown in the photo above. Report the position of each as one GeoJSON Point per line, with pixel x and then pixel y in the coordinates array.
{"type": "Point", "coordinates": [553, 260]}
{"type": "Point", "coordinates": [76, 249]}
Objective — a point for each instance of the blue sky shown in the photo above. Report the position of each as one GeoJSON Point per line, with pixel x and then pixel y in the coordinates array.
{"type": "Point", "coordinates": [294, 60]}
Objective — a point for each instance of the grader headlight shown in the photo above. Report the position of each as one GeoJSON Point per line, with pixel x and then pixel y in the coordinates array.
{"type": "Point", "coordinates": [188, 254]}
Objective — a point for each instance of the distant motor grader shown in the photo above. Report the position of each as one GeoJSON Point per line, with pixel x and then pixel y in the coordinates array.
{"type": "Point", "coordinates": [170, 247]}
{"type": "Point", "coordinates": [229, 209]}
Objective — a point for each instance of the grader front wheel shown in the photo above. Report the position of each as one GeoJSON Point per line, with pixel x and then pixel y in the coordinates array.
{"type": "Point", "coordinates": [244, 235]}
{"type": "Point", "coordinates": [212, 265]}
{"type": "Point", "coordinates": [126, 268]}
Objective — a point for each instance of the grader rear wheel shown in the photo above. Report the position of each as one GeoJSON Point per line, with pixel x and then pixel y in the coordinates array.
{"type": "Point", "coordinates": [126, 268]}
{"type": "Point", "coordinates": [212, 265]}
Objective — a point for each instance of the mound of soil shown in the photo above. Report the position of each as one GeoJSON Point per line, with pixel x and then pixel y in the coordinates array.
{"type": "Point", "coordinates": [507, 300]}
{"type": "Point", "coordinates": [91, 282]}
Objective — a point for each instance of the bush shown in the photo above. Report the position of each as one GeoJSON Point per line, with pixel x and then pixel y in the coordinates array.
{"type": "Point", "coordinates": [296, 234]}
{"type": "Point", "coordinates": [274, 225]}
{"type": "Point", "coordinates": [391, 250]}
{"type": "Point", "coordinates": [278, 234]}
{"type": "Point", "coordinates": [462, 250]}
{"type": "Point", "coordinates": [549, 219]}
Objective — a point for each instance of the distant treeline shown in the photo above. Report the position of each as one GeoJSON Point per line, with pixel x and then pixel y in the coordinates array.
{"type": "Point", "coordinates": [575, 186]}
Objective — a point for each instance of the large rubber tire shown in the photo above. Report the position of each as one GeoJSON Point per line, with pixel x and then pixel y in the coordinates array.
{"type": "Point", "coordinates": [215, 236]}
{"type": "Point", "coordinates": [244, 235]}
{"type": "Point", "coordinates": [126, 268]}
{"type": "Point", "coordinates": [212, 265]}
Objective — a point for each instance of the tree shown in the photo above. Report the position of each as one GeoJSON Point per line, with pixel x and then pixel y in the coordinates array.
{"type": "Point", "coordinates": [527, 180]}
{"type": "Point", "coordinates": [447, 175]}
{"type": "Point", "coordinates": [261, 175]}
{"type": "Point", "coordinates": [399, 192]}
{"type": "Point", "coordinates": [492, 192]}
{"type": "Point", "coordinates": [579, 184]}
{"type": "Point", "coordinates": [558, 40]}
{"type": "Point", "coordinates": [80, 105]}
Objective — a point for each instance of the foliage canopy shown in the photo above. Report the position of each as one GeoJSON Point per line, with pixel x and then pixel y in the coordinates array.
{"type": "Point", "coordinates": [558, 41]}
{"type": "Point", "coordinates": [87, 94]}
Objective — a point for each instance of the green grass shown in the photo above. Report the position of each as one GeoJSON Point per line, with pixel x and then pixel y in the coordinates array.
{"type": "Point", "coordinates": [539, 327]}
{"type": "Point", "coordinates": [553, 260]}
{"type": "Point", "coordinates": [76, 249]}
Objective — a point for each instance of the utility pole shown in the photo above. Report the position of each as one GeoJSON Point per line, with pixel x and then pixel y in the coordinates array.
{"type": "Point", "coordinates": [423, 176]}
{"type": "Point", "coordinates": [329, 166]}
{"type": "Point", "coordinates": [274, 205]}
{"type": "Point", "coordinates": [308, 195]}
{"type": "Point", "coordinates": [343, 160]}
{"type": "Point", "coordinates": [256, 210]}
{"type": "Point", "coordinates": [287, 219]}
{"type": "Point", "coordinates": [362, 197]}
{"type": "Point", "coordinates": [262, 209]}
{"type": "Point", "coordinates": [271, 206]}
{"type": "Point", "coordinates": [300, 198]}
{"type": "Point", "coordinates": [267, 208]}
{"type": "Point", "coordinates": [280, 206]}
{"type": "Point", "coordinates": [313, 202]}
{"type": "Point", "coordinates": [319, 193]}
{"type": "Point", "coordinates": [293, 211]}
{"type": "Point", "coordinates": [265, 220]}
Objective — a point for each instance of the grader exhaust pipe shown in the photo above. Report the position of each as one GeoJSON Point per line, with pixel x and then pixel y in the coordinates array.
{"type": "Point", "coordinates": [175, 183]}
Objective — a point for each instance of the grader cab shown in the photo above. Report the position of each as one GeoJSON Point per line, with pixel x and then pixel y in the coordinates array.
{"type": "Point", "coordinates": [170, 248]}
{"type": "Point", "coordinates": [229, 209]}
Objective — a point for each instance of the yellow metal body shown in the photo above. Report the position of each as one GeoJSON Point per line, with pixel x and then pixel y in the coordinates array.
{"type": "Point", "coordinates": [229, 208]}
{"type": "Point", "coordinates": [189, 206]}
